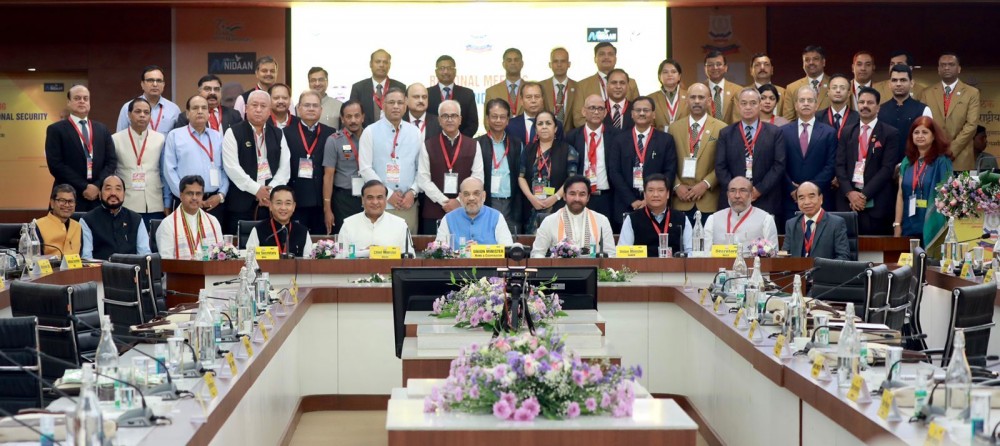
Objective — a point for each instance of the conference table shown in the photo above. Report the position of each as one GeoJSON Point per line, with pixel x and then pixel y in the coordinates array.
{"type": "Point", "coordinates": [334, 350]}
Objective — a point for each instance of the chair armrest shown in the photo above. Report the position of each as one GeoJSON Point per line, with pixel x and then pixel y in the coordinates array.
{"type": "Point", "coordinates": [977, 327]}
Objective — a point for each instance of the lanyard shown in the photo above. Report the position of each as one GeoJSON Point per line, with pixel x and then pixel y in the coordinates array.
{"type": "Point", "coordinates": [458, 150]}
{"type": "Point", "coordinates": [450, 95]}
{"type": "Point", "coordinates": [645, 148]}
{"type": "Point", "coordinates": [666, 222]}
{"type": "Point", "coordinates": [555, 99]}
{"type": "Point", "coordinates": [305, 145]}
{"type": "Point", "coordinates": [350, 140]}
{"type": "Point", "coordinates": [261, 142]}
{"type": "Point", "coordinates": [88, 144]}
{"type": "Point", "coordinates": [918, 174]}
{"type": "Point", "coordinates": [863, 145]}
{"type": "Point", "coordinates": [604, 87]}
{"type": "Point", "coordinates": [277, 240]}
{"type": "Point", "coordinates": [692, 140]}
{"type": "Point", "coordinates": [159, 116]}
{"type": "Point", "coordinates": [843, 119]}
{"type": "Point", "coordinates": [378, 99]}
{"type": "Point", "coordinates": [809, 242]}
{"type": "Point", "coordinates": [753, 142]}
{"type": "Point", "coordinates": [192, 243]}
{"type": "Point", "coordinates": [210, 151]}
{"type": "Point", "coordinates": [395, 142]}
{"type": "Point", "coordinates": [506, 150]}
{"type": "Point", "coordinates": [543, 162]}
{"type": "Point", "coordinates": [138, 154]}
{"type": "Point", "coordinates": [729, 221]}
{"type": "Point", "coordinates": [672, 108]}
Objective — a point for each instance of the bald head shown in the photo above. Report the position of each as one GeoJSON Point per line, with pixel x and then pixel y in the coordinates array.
{"type": "Point", "coordinates": [416, 99]}
{"type": "Point", "coordinates": [472, 195]}
{"type": "Point", "coordinates": [809, 199]}
{"type": "Point", "coordinates": [697, 100]}
{"type": "Point", "coordinates": [594, 110]}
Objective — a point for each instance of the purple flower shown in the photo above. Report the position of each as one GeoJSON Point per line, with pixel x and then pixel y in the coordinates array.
{"type": "Point", "coordinates": [605, 401]}
{"type": "Point", "coordinates": [620, 411]}
{"type": "Point", "coordinates": [523, 414]}
{"type": "Point", "coordinates": [222, 256]}
{"type": "Point", "coordinates": [531, 405]}
{"type": "Point", "coordinates": [591, 404]}
{"type": "Point", "coordinates": [474, 392]}
{"type": "Point", "coordinates": [579, 377]}
{"type": "Point", "coordinates": [510, 398]}
{"type": "Point", "coordinates": [457, 394]}
{"type": "Point", "coordinates": [501, 409]}
{"type": "Point", "coordinates": [573, 410]}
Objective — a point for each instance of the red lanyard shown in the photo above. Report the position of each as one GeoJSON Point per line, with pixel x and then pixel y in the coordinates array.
{"type": "Point", "coordinates": [138, 154]}
{"type": "Point", "coordinates": [350, 141]}
{"type": "Point", "coordinates": [210, 151]}
{"type": "Point", "coordinates": [772, 119]}
{"type": "Point", "coordinates": [159, 116]}
{"type": "Point", "coordinates": [378, 99]}
{"type": "Point", "coordinates": [543, 162]}
{"type": "Point", "coordinates": [88, 144]}
{"type": "Point", "coordinates": [262, 142]}
{"type": "Point", "coordinates": [506, 150]}
{"type": "Point", "coordinates": [450, 95]}
{"type": "Point", "coordinates": [918, 174]}
{"type": "Point", "coordinates": [458, 149]}
{"type": "Point", "coordinates": [750, 144]}
{"type": "Point", "coordinates": [729, 221]}
{"type": "Point", "coordinates": [423, 124]}
{"type": "Point", "coordinates": [666, 222]}
{"type": "Point", "coordinates": [274, 119]}
{"type": "Point", "coordinates": [604, 87]}
{"type": "Point", "coordinates": [843, 119]}
{"type": "Point", "coordinates": [277, 240]}
{"type": "Point", "coordinates": [864, 141]}
{"type": "Point", "coordinates": [692, 141]}
{"type": "Point", "coordinates": [645, 148]}
{"type": "Point", "coordinates": [809, 242]}
{"type": "Point", "coordinates": [309, 148]}
{"type": "Point", "coordinates": [672, 111]}
{"type": "Point", "coordinates": [395, 142]}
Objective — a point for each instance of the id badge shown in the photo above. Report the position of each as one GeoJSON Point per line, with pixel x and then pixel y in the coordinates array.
{"type": "Point", "coordinates": [214, 177]}
{"type": "Point", "coordinates": [689, 168]}
{"type": "Point", "coordinates": [263, 171]}
{"type": "Point", "coordinates": [859, 174]}
{"type": "Point", "coordinates": [347, 151]}
{"type": "Point", "coordinates": [356, 183]}
{"type": "Point", "coordinates": [749, 167]}
{"type": "Point", "coordinates": [451, 183]}
{"type": "Point", "coordinates": [538, 189]}
{"type": "Point", "coordinates": [911, 206]}
{"type": "Point", "coordinates": [138, 181]}
{"type": "Point", "coordinates": [637, 177]}
{"type": "Point", "coordinates": [922, 204]}
{"type": "Point", "coordinates": [495, 180]}
{"type": "Point", "coordinates": [305, 168]}
{"type": "Point", "coordinates": [90, 169]}
{"type": "Point", "coordinates": [392, 173]}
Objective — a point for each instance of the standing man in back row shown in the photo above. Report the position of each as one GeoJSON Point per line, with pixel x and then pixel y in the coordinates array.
{"type": "Point", "coordinates": [164, 114]}
{"type": "Point", "coordinates": [605, 57]}
{"type": "Point", "coordinates": [371, 92]}
{"type": "Point", "coordinates": [318, 82]}
{"type": "Point", "coordinates": [267, 75]}
{"type": "Point", "coordinates": [446, 89]}
{"type": "Point", "coordinates": [955, 106]}
{"type": "Point", "coordinates": [79, 151]}
{"type": "Point", "coordinates": [510, 88]}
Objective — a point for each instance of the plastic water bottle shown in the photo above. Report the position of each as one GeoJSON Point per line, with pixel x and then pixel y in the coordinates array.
{"type": "Point", "coordinates": [847, 359]}
{"type": "Point", "coordinates": [36, 243]}
{"type": "Point", "coordinates": [958, 378]}
{"type": "Point", "coordinates": [244, 304]}
{"type": "Point", "coordinates": [106, 360]}
{"type": "Point", "coordinates": [88, 422]}
{"type": "Point", "coordinates": [949, 249]}
{"type": "Point", "coordinates": [203, 250]}
{"type": "Point", "coordinates": [698, 234]}
{"type": "Point", "coordinates": [796, 312]}
{"type": "Point", "coordinates": [204, 332]}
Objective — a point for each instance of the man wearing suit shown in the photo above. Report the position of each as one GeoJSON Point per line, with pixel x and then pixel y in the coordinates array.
{"type": "Point", "coordinates": [813, 63]}
{"type": "Point", "coordinates": [220, 117]}
{"type": "Point", "coordinates": [863, 66]}
{"type": "Point", "coordinates": [697, 187]}
{"type": "Point", "coordinates": [559, 90]}
{"type": "Point", "coordinates": [417, 112]}
{"type": "Point", "coordinates": [866, 158]}
{"type": "Point", "coordinates": [815, 233]}
{"type": "Point", "coordinates": [371, 91]}
{"type": "Point", "coordinates": [810, 149]}
{"type": "Point", "coordinates": [758, 145]}
{"type": "Point", "coordinates": [605, 57]}
{"type": "Point", "coordinates": [619, 115]}
{"type": "Point", "coordinates": [722, 91]}
{"type": "Point", "coordinates": [267, 75]}
{"type": "Point", "coordinates": [761, 71]}
{"type": "Point", "coordinates": [636, 154]}
{"type": "Point", "coordinates": [510, 89]}
{"type": "Point", "coordinates": [885, 89]}
{"type": "Point", "coordinates": [523, 126]}
{"type": "Point", "coordinates": [955, 106]}
{"type": "Point", "coordinates": [446, 89]}
{"type": "Point", "coordinates": [501, 155]}
{"type": "Point", "coordinates": [839, 114]}
{"type": "Point", "coordinates": [79, 151]}
{"type": "Point", "coordinates": [593, 142]}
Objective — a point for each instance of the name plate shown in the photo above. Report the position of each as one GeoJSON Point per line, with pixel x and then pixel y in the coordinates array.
{"type": "Point", "coordinates": [73, 261]}
{"type": "Point", "coordinates": [724, 251]}
{"type": "Point", "coordinates": [384, 253]}
{"type": "Point", "coordinates": [488, 252]}
{"type": "Point", "coordinates": [231, 360]}
{"type": "Point", "coordinates": [905, 259]}
{"type": "Point", "coordinates": [45, 267]}
{"type": "Point", "coordinates": [631, 252]}
{"type": "Point", "coordinates": [266, 252]}
{"type": "Point", "coordinates": [209, 378]}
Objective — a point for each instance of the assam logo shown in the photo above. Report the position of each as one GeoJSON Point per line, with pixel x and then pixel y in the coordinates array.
{"type": "Point", "coordinates": [602, 35]}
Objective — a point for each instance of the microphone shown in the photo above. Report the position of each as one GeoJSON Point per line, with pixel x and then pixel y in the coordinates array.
{"type": "Point", "coordinates": [406, 245]}
{"type": "Point", "coordinates": [224, 282]}
{"type": "Point", "coordinates": [839, 285]}
{"type": "Point", "coordinates": [981, 237]}
{"type": "Point", "coordinates": [62, 256]}
{"type": "Point", "coordinates": [600, 254]}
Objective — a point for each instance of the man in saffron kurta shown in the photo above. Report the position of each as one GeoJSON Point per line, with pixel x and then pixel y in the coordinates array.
{"type": "Point", "coordinates": [574, 223]}
{"type": "Point", "coordinates": [58, 230]}
{"type": "Point", "coordinates": [185, 230]}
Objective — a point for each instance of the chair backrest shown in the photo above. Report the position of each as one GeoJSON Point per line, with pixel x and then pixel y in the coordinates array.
{"type": "Point", "coordinates": [154, 224]}
{"type": "Point", "coordinates": [59, 335]}
{"type": "Point", "coordinates": [913, 326]}
{"type": "Point", "coordinates": [123, 300]}
{"type": "Point", "coordinates": [830, 273]}
{"type": "Point", "coordinates": [19, 389]}
{"type": "Point", "coordinates": [900, 297]}
{"type": "Point", "coordinates": [10, 235]}
{"type": "Point", "coordinates": [851, 218]}
{"type": "Point", "coordinates": [243, 229]}
{"type": "Point", "coordinates": [877, 293]}
{"type": "Point", "coordinates": [150, 281]}
{"type": "Point", "coordinates": [972, 311]}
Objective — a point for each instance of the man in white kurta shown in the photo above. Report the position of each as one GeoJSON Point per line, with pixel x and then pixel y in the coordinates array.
{"type": "Point", "coordinates": [184, 230]}
{"type": "Point", "coordinates": [741, 218]}
{"type": "Point", "coordinates": [575, 223]}
{"type": "Point", "coordinates": [374, 226]}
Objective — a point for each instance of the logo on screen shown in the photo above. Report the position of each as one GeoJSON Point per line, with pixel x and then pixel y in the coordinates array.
{"type": "Point", "coordinates": [602, 34]}
{"type": "Point", "coordinates": [478, 43]}
{"type": "Point", "coordinates": [231, 63]}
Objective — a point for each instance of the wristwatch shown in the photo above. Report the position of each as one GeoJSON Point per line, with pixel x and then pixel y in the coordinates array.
{"type": "Point", "coordinates": [896, 224]}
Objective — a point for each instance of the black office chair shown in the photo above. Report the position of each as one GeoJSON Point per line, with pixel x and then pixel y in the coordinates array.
{"type": "Point", "coordinates": [851, 218]}
{"type": "Point", "coordinates": [123, 299]}
{"type": "Point", "coordinates": [154, 224]}
{"type": "Point", "coordinates": [829, 274]}
{"type": "Point", "coordinates": [913, 327]}
{"type": "Point", "coordinates": [150, 281]}
{"type": "Point", "coordinates": [10, 235]}
{"type": "Point", "coordinates": [243, 229]}
{"type": "Point", "coordinates": [972, 313]}
{"type": "Point", "coordinates": [876, 293]}
{"type": "Point", "coordinates": [19, 389]}
{"type": "Point", "coordinates": [59, 335]}
{"type": "Point", "coordinates": [894, 312]}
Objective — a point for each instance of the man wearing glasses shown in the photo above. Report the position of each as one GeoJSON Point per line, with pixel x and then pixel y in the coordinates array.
{"type": "Point", "coordinates": [306, 140]}
{"type": "Point", "coordinates": [742, 219]}
{"type": "Point", "coordinates": [58, 230]}
{"type": "Point", "coordinates": [163, 113]}
{"type": "Point", "coordinates": [318, 82]}
{"type": "Point", "coordinates": [445, 161]}
{"type": "Point", "coordinates": [220, 117]}
{"type": "Point", "coordinates": [446, 89]}
{"type": "Point", "coordinates": [593, 141]}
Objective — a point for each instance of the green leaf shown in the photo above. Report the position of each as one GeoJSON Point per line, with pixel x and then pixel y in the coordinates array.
{"type": "Point", "coordinates": [453, 281]}
{"type": "Point", "coordinates": [562, 314]}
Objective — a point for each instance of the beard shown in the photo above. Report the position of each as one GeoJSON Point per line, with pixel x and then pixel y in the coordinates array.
{"type": "Point", "coordinates": [111, 207]}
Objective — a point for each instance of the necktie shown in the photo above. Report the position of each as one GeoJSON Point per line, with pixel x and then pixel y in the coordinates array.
{"type": "Point", "coordinates": [864, 142]}
{"type": "Point", "coordinates": [749, 136]}
{"type": "Point", "coordinates": [212, 120]}
{"type": "Point", "coordinates": [513, 89]}
{"type": "Point", "coordinates": [416, 122]}
{"type": "Point", "coordinates": [717, 103]}
{"type": "Point", "coordinates": [947, 99]}
{"type": "Point", "coordinates": [815, 85]}
{"type": "Point", "coordinates": [86, 134]}
{"type": "Point", "coordinates": [641, 137]}
{"type": "Point", "coordinates": [447, 93]}
{"type": "Point", "coordinates": [808, 234]}
{"type": "Point", "coordinates": [804, 138]}
{"type": "Point", "coordinates": [560, 100]}
{"type": "Point", "coordinates": [592, 160]}
{"type": "Point", "coordinates": [694, 134]}
{"type": "Point", "coordinates": [531, 130]}
{"type": "Point", "coordinates": [617, 117]}
{"type": "Point", "coordinates": [836, 121]}
{"type": "Point", "coordinates": [378, 92]}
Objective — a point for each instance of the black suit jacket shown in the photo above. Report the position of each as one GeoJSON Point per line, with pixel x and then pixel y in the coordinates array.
{"type": "Point", "coordinates": [513, 163]}
{"type": "Point", "coordinates": [883, 150]}
{"type": "Point", "coordinates": [661, 157]}
{"type": "Point", "coordinates": [466, 99]}
{"type": "Point", "coordinates": [433, 126]}
{"type": "Point", "coordinates": [364, 92]}
{"type": "Point", "coordinates": [768, 164]}
{"type": "Point", "coordinates": [516, 128]}
{"type": "Point", "coordinates": [67, 158]}
{"type": "Point", "coordinates": [579, 138]}
{"type": "Point", "coordinates": [818, 164]}
{"type": "Point", "coordinates": [627, 121]}
{"type": "Point", "coordinates": [852, 118]}
{"type": "Point", "coordinates": [230, 118]}
{"type": "Point", "coordinates": [830, 241]}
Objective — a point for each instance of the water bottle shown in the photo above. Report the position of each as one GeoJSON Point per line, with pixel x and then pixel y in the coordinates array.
{"type": "Point", "coordinates": [36, 243]}
{"type": "Point", "coordinates": [106, 360]}
{"type": "Point", "coordinates": [203, 250]}
{"type": "Point", "coordinates": [261, 292]}
{"type": "Point", "coordinates": [847, 359]}
{"type": "Point", "coordinates": [244, 304]}
{"type": "Point", "coordinates": [698, 234]}
{"type": "Point", "coordinates": [796, 312]}
{"type": "Point", "coordinates": [958, 378]}
{"type": "Point", "coordinates": [204, 332]}
{"type": "Point", "coordinates": [949, 249]}
{"type": "Point", "coordinates": [47, 426]}
{"type": "Point", "coordinates": [88, 423]}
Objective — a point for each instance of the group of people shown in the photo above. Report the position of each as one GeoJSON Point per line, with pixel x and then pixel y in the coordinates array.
{"type": "Point", "coordinates": [565, 160]}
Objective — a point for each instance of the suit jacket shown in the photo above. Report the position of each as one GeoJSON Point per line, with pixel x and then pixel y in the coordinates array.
{"type": "Point", "coordinates": [433, 127]}
{"type": "Point", "coordinates": [627, 122]}
{"type": "Point", "coordinates": [829, 241]}
{"type": "Point", "coordinates": [661, 157]}
{"type": "Point", "coordinates": [549, 95]}
{"type": "Point", "coordinates": [818, 164]}
{"type": "Point", "coordinates": [825, 117]}
{"type": "Point", "coordinates": [66, 157]}
{"type": "Point", "coordinates": [730, 98]}
{"type": "Point", "coordinates": [960, 122]}
{"type": "Point", "coordinates": [704, 167]}
{"type": "Point", "coordinates": [885, 90]}
{"type": "Point", "coordinates": [883, 151]}
{"type": "Point", "coordinates": [466, 99]}
{"type": "Point", "coordinates": [662, 120]}
{"type": "Point", "coordinates": [499, 91]}
{"type": "Point", "coordinates": [364, 92]}
{"type": "Point", "coordinates": [579, 139]}
{"type": "Point", "coordinates": [768, 164]}
{"type": "Point", "coordinates": [513, 161]}
{"type": "Point", "coordinates": [230, 118]}
{"type": "Point", "coordinates": [517, 129]}
{"type": "Point", "coordinates": [592, 85]}
{"type": "Point", "coordinates": [791, 95]}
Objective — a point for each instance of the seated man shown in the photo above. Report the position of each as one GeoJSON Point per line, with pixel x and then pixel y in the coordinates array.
{"type": "Point", "coordinates": [574, 223]}
{"type": "Point", "coordinates": [111, 228]}
{"type": "Point", "coordinates": [58, 230]}
{"type": "Point", "coordinates": [181, 234]}
{"type": "Point", "coordinates": [290, 237]}
{"type": "Point", "coordinates": [814, 233]}
{"type": "Point", "coordinates": [374, 226]}
{"type": "Point", "coordinates": [644, 226]}
{"type": "Point", "coordinates": [743, 219]}
{"type": "Point", "coordinates": [474, 221]}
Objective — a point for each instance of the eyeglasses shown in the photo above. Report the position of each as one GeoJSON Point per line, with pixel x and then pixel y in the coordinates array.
{"type": "Point", "coordinates": [154, 81]}
{"type": "Point", "coordinates": [451, 116]}
{"type": "Point", "coordinates": [65, 202]}
{"type": "Point", "coordinates": [215, 89]}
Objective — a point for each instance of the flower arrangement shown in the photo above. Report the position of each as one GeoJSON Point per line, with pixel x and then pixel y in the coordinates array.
{"type": "Point", "coordinates": [565, 250]}
{"type": "Point", "coordinates": [761, 247]}
{"type": "Point", "coordinates": [325, 249]}
{"type": "Point", "coordinates": [959, 197]}
{"type": "Point", "coordinates": [987, 197]}
{"type": "Point", "coordinates": [480, 303]}
{"type": "Point", "coordinates": [519, 378]}
{"type": "Point", "coordinates": [374, 278]}
{"type": "Point", "coordinates": [222, 251]}
{"type": "Point", "coordinates": [437, 250]}
{"type": "Point", "coordinates": [610, 275]}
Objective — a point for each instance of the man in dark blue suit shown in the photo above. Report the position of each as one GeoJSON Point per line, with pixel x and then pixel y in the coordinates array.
{"type": "Point", "coordinates": [618, 82]}
{"type": "Point", "coordinates": [815, 233]}
{"type": "Point", "coordinates": [810, 149]}
{"type": "Point", "coordinates": [635, 154]}
{"type": "Point", "coordinates": [759, 145]}
{"type": "Point", "coordinates": [446, 89]}
{"type": "Point", "coordinates": [523, 126]}
{"type": "Point", "coordinates": [370, 92]}
{"type": "Point", "coordinates": [593, 142]}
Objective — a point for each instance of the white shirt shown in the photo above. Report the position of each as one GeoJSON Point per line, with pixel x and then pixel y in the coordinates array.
{"type": "Point", "coordinates": [423, 124]}
{"type": "Point", "coordinates": [171, 242]}
{"type": "Point", "coordinates": [501, 232]}
{"type": "Point", "coordinates": [529, 122]}
{"type": "Point", "coordinates": [547, 235]}
{"type": "Point", "coordinates": [857, 88]}
{"type": "Point", "coordinates": [555, 89]}
{"type": "Point", "coordinates": [150, 146]}
{"type": "Point", "coordinates": [388, 230]}
{"type": "Point", "coordinates": [759, 224]}
{"type": "Point", "coordinates": [239, 178]}
{"type": "Point", "coordinates": [809, 130]}
{"type": "Point", "coordinates": [953, 85]}
{"type": "Point", "coordinates": [842, 112]}
{"type": "Point", "coordinates": [817, 78]}
{"type": "Point", "coordinates": [253, 241]}
{"type": "Point", "coordinates": [602, 168]}
{"type": "Point", "coordinates": [621, 109]}
{"type": "Point", "coordinates": [425, 183]}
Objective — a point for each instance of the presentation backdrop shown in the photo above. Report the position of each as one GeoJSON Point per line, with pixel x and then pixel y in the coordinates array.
{"type": "Point", "coordinates": [476, 35]}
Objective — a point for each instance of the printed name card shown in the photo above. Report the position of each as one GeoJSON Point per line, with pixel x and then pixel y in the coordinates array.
{"type": "Point", "coordinates": [631, 252]}
{"type": "Point", "coordinates": [266, 252]}
{"type": "Point", "coordinates": [385, 253]}
{"type": "Point", "coordinates": [487, 252]}
{"type": "Point", "coordinates": [724, 251]}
